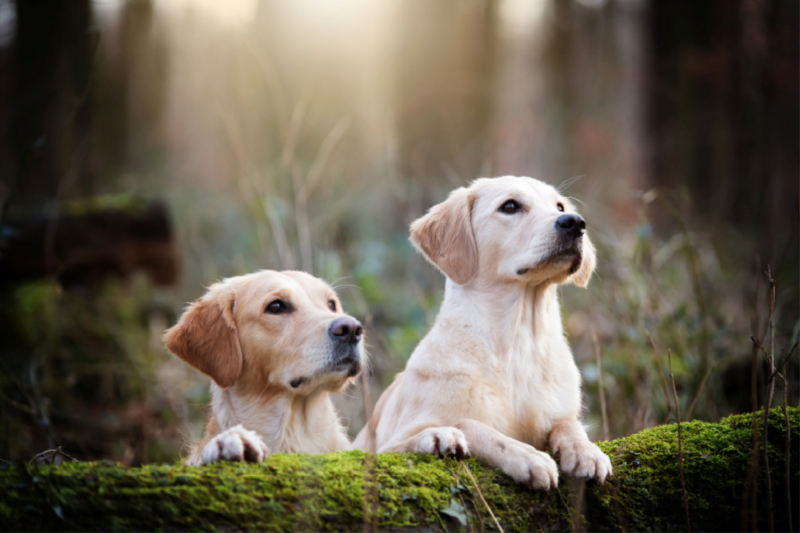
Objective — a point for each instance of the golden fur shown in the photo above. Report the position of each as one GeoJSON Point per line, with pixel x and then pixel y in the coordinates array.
{"type": "Point", "coordinates": [271, 373]}
{"type": "Point", "coordinates": [495, 378]}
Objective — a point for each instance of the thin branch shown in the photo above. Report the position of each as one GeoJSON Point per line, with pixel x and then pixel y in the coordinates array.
{"type": "Point", "coordinates": [660, 373]}
{"type": "Point", "coordinates": [17, 405]}
{"type": "Point", "coordinates": [480, 494]}
{"type": "Point", "coordinates": [578, 523]}
{"type": "Point", "coordinates": [787, 474]}
{"type": "Point", "coordinates": [680, 443]}
{"type": "Point", "coordinates": [54, 453]}
{"type": "Point", "coordinates": [603, 412]}
{"type": "Point", "coordinates": [771, 382]}
{"type": "Point", "coordinates": [700, 389]}
{"type": "Point", "coordinates": [770, 391]}
{"type": "Point", "coordinates": [779, 368]}
{"type": "Point", "coordinates": [745, 446]}
{"type": "Point", "coordinates": [751, 484]}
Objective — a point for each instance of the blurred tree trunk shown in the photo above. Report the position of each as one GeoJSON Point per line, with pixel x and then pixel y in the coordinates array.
{"type": "Point", "coordinates": [51, 99]}
{"type": "Point", "coordinates": [723, 107]}
{"type": "Point", "coordinates": [445, 78]}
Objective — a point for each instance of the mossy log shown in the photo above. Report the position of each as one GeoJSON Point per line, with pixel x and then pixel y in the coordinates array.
{"type": "Point", "coordinates": [90, 239]}
{"type": "Point", "coordinates": [389, 492]}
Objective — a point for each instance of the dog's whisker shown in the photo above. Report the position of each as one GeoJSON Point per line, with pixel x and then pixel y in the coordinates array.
{"type": "Point", "coordinates": [578, 200]}
{"type": "Point", "coordinates": [566, 183]}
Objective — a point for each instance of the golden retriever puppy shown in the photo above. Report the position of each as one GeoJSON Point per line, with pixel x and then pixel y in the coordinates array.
{"type": "Point", "coordinates": [495, 377]}
{"type": "Point", "coordinates": [274, 344]}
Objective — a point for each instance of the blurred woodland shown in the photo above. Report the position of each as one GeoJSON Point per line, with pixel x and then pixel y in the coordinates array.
{"type": "Point", "coordinates": [151, 147]}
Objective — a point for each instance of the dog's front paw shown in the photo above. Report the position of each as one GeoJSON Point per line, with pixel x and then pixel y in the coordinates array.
{"type": "Point", "coordinates": [584, 459]}
{"type": "Point", "coordinates": [235, 444]}
{"type": "Point", "coordinates": [442, 441]}
{"type": "Point", "coordinates": [535, 469]}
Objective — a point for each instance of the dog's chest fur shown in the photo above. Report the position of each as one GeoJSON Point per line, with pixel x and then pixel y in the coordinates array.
{"type": "Point", "coordinates": [311, 428]}
{"type": "Point", "coordinates": [544, 388]}
{"type": "Point", "coordinates": [517, 364]}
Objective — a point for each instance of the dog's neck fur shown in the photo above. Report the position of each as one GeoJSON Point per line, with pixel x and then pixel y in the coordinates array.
{"type": "Point", "coordinates": [287, 424]}
{"type": "Point", "coordinates": [506, 314]}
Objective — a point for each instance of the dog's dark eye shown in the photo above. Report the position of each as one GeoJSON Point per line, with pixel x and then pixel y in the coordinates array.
{"type": "Point", "coordinates": [332, 305]}
{"type": "Point", "coordinates": [510, 207]}
{"type": "Point", "coordinates": [276, 307]}
{"type": "Point", "coordinates": [560, 206]}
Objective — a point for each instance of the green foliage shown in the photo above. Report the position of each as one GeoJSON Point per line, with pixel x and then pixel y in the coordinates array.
{"type": "Point", "coordinates": [688, 292]}
{"type": "Point", "coordinates": [353, 490]}
{"type": "Point", "coordinates": [83, 368]}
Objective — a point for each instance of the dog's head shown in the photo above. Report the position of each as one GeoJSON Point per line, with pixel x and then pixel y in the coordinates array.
{"type": "Point", "coordinates": [268, 332]}
{"type": "Point", "coordinates": [506, 229]}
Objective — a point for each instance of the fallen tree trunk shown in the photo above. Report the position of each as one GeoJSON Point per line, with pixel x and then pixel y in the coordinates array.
{"type": "Point", "coordinates": [86, 240]}
{"type": "Point", "coordinates": [356, 491]}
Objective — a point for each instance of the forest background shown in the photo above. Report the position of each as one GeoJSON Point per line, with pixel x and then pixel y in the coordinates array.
{"type": "Point", "coordinates": [308, 134]}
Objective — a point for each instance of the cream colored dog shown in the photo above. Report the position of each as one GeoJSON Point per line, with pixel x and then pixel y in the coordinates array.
{"type": "Point", "coordinates": [495, 378]}
{"type": "Point", "coordinates": [274, 344]}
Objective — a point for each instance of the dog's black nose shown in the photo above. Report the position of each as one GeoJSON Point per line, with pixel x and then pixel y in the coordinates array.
{"type": "Point", "coordinates": [573, 225]}
{"type": "Point", "coordinates": [346, 329]}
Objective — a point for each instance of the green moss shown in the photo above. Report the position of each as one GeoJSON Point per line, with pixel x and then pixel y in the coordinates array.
{"type": "Point", "coordinates": [352, 490]}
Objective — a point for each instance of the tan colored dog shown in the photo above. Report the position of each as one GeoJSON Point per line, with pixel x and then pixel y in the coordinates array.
{"type": "Point", "coordinates": [274, 344]}
{"type": "Point", "coordinates": [495, 378]}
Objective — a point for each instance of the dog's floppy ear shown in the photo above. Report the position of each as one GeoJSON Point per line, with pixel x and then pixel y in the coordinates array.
{"type": "Point", "coordinates": [445, 237]}
{"type": "Point", "coordinates": [206, 336]}
{"type": "Point", "coordinates": [584, 272]}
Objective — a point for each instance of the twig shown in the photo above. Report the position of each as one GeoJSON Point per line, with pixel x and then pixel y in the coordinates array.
{"type": "Point", "coordinates": [660, 373]}
{"type": "Point", "coordinates": [745, 446]}
{"type": "Point", "coordinates": [17, 405]}
{"type": "Point", "coordinates": [770, 391]}
{"type": "Point", "coordinates": [751, 485]}
{"type": "Point", "coordinates": [779, 368]}
{"type": "Point", "coordinates": [680, 443]}
{"type": "Point", "coordinates": [603, 412]}
{"type": "Point", "coordinates": [700, 389]}
{"type": "Point", "coordinates": [55, 452]}
{"type": "Point", "coordinates": [771, 382]}
{"type": "Point", "coordinates": [480, 494]}
{"type": "Point", "coordinates": [578, 523]}
{"type": "Point", "coordinates": [788, 451]}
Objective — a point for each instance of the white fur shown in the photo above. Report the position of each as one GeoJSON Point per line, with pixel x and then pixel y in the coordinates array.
{"type": "Point", "coordinates": [280, 423]}
{"type": "Point", "coordinates": [230, 445]}
{"type": "Point", "coordinates": [496, 364]}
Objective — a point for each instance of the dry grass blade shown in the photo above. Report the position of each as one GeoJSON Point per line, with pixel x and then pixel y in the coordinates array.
{"type": "Point", "coordinates": [603, 411]}
{"type": "Point", "coordinates": [330, 141]}
{"type": "Point", "coordinates": [567, 507]}
{"type": "Point", "coordinates": [660, 373]}
{"type": "Point", "coordinates": [680, 443]}
{"type": "Point", "coordinates": [480, 494]}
